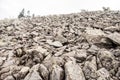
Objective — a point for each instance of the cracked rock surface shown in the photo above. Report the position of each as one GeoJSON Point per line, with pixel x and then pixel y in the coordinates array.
{"type": "Point", "coordinates": [78, 46]}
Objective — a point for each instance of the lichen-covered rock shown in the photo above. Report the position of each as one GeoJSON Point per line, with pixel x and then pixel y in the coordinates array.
{"type": "Point", "coordinates": [106, 58]}
{"type": "Point", "coordinates": [103, 74]}
{"type": "Point", "coordinates": [90, 68]}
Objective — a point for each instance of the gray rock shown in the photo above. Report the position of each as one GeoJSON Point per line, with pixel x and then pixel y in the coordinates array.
{"type": "Point", "coordinates": [90, 68]}
{"type": "Point", "coordinates": [106, 58]}
{"type": "Point", "coordinates": [94, 35]}
{"type": "Point", "coordinates": [44, 72]}
{"type": "Point", "coordinates": [93, 49]}
{"type": "Point", "coordinates": [34, 75]}
{"type": "Point", "coordinates": [73, 71]}
{"type": "Point", "coordinates": [118, 73]}
{"type": "Point", "coordinates": [9, 78]}
{"type": "Point", "coordinates": [35, 68]}
{"type": "Point", "coordinates": [81, 55]}
{"type": "Point", "coordinates": [60, 52]}
{"type": "Point", "coordinates": [69, 54]}
{"type": "Point", "coordinates": [2, 59]}
{"type": "Point", "coordinates": [57, 73]}
{"type": "Point", "coordinates": [114, 37]}
{"type": "Point", "coordinates": [60, 38]}
{"type": "Point", "coordinates": [53, 60]}
{"type": "Point", "coordinates": [55, 43]}
{"type": "Point", "coordinates": [112, 28]}
{"type": "Point", "coordinates": [24, 71]}
{"type": "Point", "coordinates": [103, 74]}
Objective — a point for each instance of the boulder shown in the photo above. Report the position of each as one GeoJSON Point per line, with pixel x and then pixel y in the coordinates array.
{"type": "Point", "coordinates": [115, 37]}
{"type": "Point", "coordinates": [44, 72]}
{"type": "Point", "coordinates": [34, 75]}
{"type": "Point", "coordinates": [94, 35]}
{"type": "Point", "coordinates": [57, 73]}
{"type": "Point", "coordinates": [73, 71]}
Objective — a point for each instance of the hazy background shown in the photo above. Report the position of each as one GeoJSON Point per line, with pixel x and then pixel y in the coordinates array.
{"type": "Point", "coordinates": [11, 8]}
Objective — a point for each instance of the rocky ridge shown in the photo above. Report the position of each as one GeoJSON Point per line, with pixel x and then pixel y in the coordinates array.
{"type": "Point", "coordinates": [78, 46]}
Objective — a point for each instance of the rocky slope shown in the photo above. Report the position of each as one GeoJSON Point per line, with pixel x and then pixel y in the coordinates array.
{"type": "Point", "coordinates": [79, 46]}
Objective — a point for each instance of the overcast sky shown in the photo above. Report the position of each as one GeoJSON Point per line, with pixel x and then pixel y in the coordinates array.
{"type": "Point", "coordinates": [11, 8]}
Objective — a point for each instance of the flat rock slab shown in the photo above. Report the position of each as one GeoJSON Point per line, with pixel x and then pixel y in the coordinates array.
{"type": "Point", "coordinates": [54, 43]}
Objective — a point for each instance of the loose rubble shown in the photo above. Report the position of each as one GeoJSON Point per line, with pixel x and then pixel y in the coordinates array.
{"type": "Point", "coordinates": [78, 46]}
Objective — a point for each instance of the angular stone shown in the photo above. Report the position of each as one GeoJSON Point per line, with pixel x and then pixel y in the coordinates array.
{"type": "Point", "coordinates": [112, 28]}
{"type": "Point", "coordinates": [53, 60]}
{"type": "Point", "coordinates": [34, 75]}
{"type": "Point", "coordinates": [61, 39]}
{"type": "Point", "coordinates": [69, 54]}
{"type": "Point", "coordinates": [60, 52]}
{"type": "Point", "coordinates": [81, 55]}
{"type": "Point", "coordinates": [24, 71]}
{"type": "Point", "coordinates": [94, 35]}
{"type": "Point", "coordinates": [40, 49]}
{"type": "Point", "coordinates": [44, 72]}
{"type": "Point", "coordinates": [73, 71]}
{"type": "Point", "coordinates": [90, 68]}
{"type": "Point", "coordinates": [4, 70]}
{"type": "Point", "coordinates": [35, 68]}
{"type": "Point", "coordinates": [57, 73]}
{"type": "Point", "coordinates": [93, 49]}
{"type": "Point", "coordinates": [9, 28]}
{"type": "Point", "coordinates": [103, 74]}
{"type": "Point", "coordinates": [2, 59]}
{"type": "Point", "coordinates": [55, 43]}
{"type": "Point", "coordinates": [115, 37]}
{"type": "Point", "coordinates": [103, 53]}
{"type": "Point", "coordinates": [9, 78]}
{"type": "Point", "coordinates": [106, 58]}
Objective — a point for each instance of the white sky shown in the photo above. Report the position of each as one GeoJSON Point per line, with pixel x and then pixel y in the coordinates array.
{"type": "Point", "coordinates": [11, 8]}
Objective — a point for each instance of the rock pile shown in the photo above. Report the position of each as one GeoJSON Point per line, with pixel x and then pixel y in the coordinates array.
{"type": "Point", "coordinates": [79, 46]}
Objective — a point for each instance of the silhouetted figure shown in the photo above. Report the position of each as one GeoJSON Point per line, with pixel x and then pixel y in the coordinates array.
{"type": "Point", "coordinates": [22, 13]}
